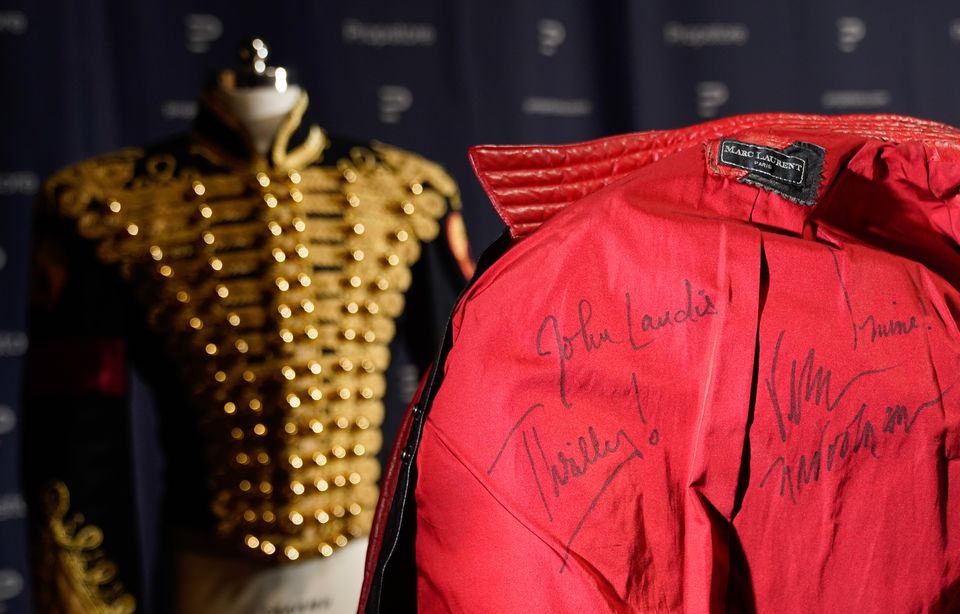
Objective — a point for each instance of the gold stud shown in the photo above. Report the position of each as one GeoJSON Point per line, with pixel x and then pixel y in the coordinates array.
{"type": "Point", "coordinates": [288, 372]}
{"type": "Point", "coordinates": [249, 376]}
{"type": "Point", "coordinates": [285, 312]}
{"type": "Point", "coordinates": [255, 404]}
{"type": "Point", "coordinates": [311, 332]}
{"type": "Point", "coordinates": [343, 423]}
{"type": "Point", "coordinates": [198, 188]}
{"type": "Point", "coordinates": [290, 428]}
{"type": "Point", "coordinates": [302, 250]}
{"type": "Point", "coordinates": [317, 427]}
{"type": "Point", "coordinates": [339, 452]}
{"type": "Point", "coordinates": [363, 423]}
{"type": "Point", "coordinates": [278, 254]}
{"type": "Point", "coordinates": [133, 229]}
{"type": "Point", "coordinates": [341, 541]}
{"type": "Point", "coordinates": [349, 334]}
{"type": "Point", "coordinates": [222, 291]}
{"type": "Point", "coordinates": [270, 199]}
{"type": "Point", "coordinates": [296, 195]}
{"type": "Point", "coordinates": [326, 550]}
{"type": "Point", "coordinates": [211, 349]}
{"type": "Point", "coordinates": [315, 367]}
{"type": "Point", "coordinates": [236, 433]}
{"type": "Point", "coordinates": [321, 516]}
{"type": "Point", "coordinates": [268, 548]}
{"type": "Point", "coordinates": [292, 552]}
{"type": "Point", "coordinates": [114, 206]}
{"type": "Point", "coordinates": [358, 255]}
{"type": "Point", "coordinates": [229, 407]}
{"type": "Point", "coordinates": [315, 393]}
{"type": "Point", "coordinates": [296, 518]}
{"type": "Point", "coordinates": [183, 297]}
{"type": "Point", "coordinates": [259, 429]}
{"type": "Point", "coordinates": [233, 319]}
{"type": "Point", "coordinates": [249, 515]}
{"type": "Point", "coordinates": [408, 207]}
{"type": "Point", "coordinates": [321, 485]}
{"type": "Point", "coordinates": [208, 238]}
{"type": "Point", "coordinates": [242, 346]}
{"type": "Point", "coordinates": [196, 323]}
{"type": "Point", "coordinates": [319, 458]}
{"type": "Point", "coordinates": [286, 335]}
{"type": "Point", "coordinates": [267, 515]}
{"type": "Point", "coordinates": [274, 228]}
{"type": "Point", "coordinates": [242, 458]}
{"type": "Point", "coordinates": [393, 260]}
{"type": "Point", "coordinates": [252, 541]}
{"type": "Point", "coordinates": [245, 485]}
{"type": "Point", "coordinates": [340, 480]}
{"type": "Point", "coordinates": [262, 179]}
{"type": "Point", "coordinates": [355, 509]}
{"type": "Point", "coordinates": [298, 224]}
{"type": "Point", "coordinates": [296, 487]}
{"type": "Point", "coordinates": [354, 478]}
{"type": "Point", "coordinates": [344, 393]}
{"type": "Point", "coordinates": [353, 199]}
{"type": "Point", "coordinates": [307, 305]}
{"type": "Point", "coordinates": [295, 461]}
{"type": "Point", "coordinates": [416, 188]}
{"type": "Point", "coordinates": [359, 450]}
{"type": "Point", "coordinates": [220, 376]}
{"type": "Point", "coordinates": [304, 279]}
{"type": "Point", "coordinates": [293, 400]}
{"type": "Point", "coordinates": [294, 176]}
{"type": "Point", "coordinates": [263, 458]}
{"type": "Point", "coordinates": [206, 211]}
{"type": "Point", "coordinates": [402, 235]}
{"type": "Point", "coordinates": [166, 271]}
{"type": "Point", "coordinates": [155, 252]}
{"type": "Point", "coordinates": [358, 229]}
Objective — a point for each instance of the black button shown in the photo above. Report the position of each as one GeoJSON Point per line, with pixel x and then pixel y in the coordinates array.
{"type": "Point", "coordinates": [416, 409]}
{"type": "Point", "coordinates": [406, 453]}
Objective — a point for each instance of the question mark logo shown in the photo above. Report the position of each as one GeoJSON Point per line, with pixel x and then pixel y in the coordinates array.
{"type": "Point", "coordinates": [711, 95]}
{"type": "Point", "coordinates": [850, 31]}
{"type": "Point", "coordinates": [395, 100]}
{"type": "Point", "coordinates": [551, 33]}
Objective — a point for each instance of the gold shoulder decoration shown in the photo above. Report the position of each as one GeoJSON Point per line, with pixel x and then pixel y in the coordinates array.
{"type": "Point", "coordinates": [74, 577]}
{"type": "Point", "coordinates": [277, 290]}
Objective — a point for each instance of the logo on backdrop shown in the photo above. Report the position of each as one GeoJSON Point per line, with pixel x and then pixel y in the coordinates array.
{"type": "Point", "coordinates": [850, 32]}
{"type": "Point", "coordinates": [175, 110]}
{"type": "Point", "coordinates": [12, 506]}
{"type": "Point", "coordinates": [11, 584]}
{"type": "Point", "coordinates": [397, 34]}
{"type": "Point", "coordinates": [13, 22]}
{"type": "Point", "coordinates": [955, 30]}
{"type": "Point", "coordinates": [395, 100]}
{"type": "Point", "coordinates": [8, 419]}
{"type": "Point", "coordinates": [705, 34]}
{"type": "Point", "coordinates": [19, 183]}
{"type": "Point", "coordinates": [12, 343]}
{"type": "Point", "coordinates": [202, 30]}
{"type": "Point", "coordinates": [551, 34]}
{"type": "Point", "coordinates": [856, 99]}
{"type": "Point", "coordinates": [711, 95]}
{"type": "Point", "coordinates": [557, 107]}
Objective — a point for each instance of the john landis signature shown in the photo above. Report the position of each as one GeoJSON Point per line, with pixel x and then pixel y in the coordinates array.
{"type": "Point", "coordinates": [588, 337]}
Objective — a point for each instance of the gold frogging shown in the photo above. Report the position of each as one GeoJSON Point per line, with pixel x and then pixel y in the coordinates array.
{"type": "Point", "coordinates": [277, 288]}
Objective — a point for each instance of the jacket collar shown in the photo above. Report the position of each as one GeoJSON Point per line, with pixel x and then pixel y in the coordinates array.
{"type": "Point", "coordinates": [295, 145]}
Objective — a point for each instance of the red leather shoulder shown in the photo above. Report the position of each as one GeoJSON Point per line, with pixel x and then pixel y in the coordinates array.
{"type": "Point", "coordinates": [528, 184]}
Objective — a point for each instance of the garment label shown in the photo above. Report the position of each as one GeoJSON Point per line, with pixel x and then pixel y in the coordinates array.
{"type": "Point", "coordinates": [763, 160]}
{"type": "Point", "coordinates": [794, 172]}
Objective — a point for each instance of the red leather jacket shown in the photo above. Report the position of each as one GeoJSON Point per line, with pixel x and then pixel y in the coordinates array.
{"type": "Point", "coordinates": [709, 369]}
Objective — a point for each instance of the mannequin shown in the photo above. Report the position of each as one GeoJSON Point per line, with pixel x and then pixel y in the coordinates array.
{"type": "Point", "coordinates": [257, 95]}
{"type": "Point", "coordinates": [253, 272]}
{"type": "Point", "coordinates": [260, 97]}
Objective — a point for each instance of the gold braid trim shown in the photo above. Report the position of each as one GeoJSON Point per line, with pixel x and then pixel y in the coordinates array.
{"type": "Point", "coordinates": [73, 575]}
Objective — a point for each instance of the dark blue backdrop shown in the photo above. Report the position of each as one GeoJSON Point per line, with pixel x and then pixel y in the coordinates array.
{"type": "Point", "coordinates": [435, 76]}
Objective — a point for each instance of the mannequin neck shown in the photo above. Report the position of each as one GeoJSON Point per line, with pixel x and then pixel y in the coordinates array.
{"type": "Point", "coordinates": [260, 110]}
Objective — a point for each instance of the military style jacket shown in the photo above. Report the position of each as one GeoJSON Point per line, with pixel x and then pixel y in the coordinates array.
{"type": "Point", "coordinates": [211, 343]}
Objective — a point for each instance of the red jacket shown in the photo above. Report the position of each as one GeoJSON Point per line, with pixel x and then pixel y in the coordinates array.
{"type": "Point", "coordinates": [710, 369]}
